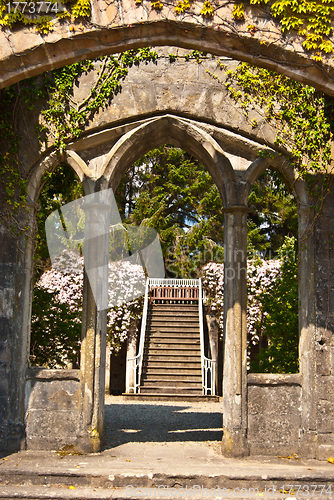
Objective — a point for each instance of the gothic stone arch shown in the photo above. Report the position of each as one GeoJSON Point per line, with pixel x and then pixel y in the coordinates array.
{"type": "Point", "coordinates": [194, 137]}
{"type": "Point", "coordinates": [229, 148]}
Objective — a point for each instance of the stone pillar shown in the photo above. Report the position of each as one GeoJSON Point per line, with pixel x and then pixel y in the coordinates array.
{"type": "Point", "coordinates": [307, 327]}
{"type": "Point", "coordinates": [94, 328]}
{"type": "Point", "coordinates": [234, 442]}
{"type": "Point", "coordinates": [108, 363]}
{"type": "Point", "coordinates": [16, 271]}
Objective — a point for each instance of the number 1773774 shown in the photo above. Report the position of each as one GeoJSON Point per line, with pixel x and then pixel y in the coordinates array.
{"type": "Point", "coordinates": [33, 7]}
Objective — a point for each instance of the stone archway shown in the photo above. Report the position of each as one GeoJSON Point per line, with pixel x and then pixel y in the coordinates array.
{"type": "Point", "coordinates": [124, 25]}
{"type": "Point", "coordinates": [233, 185]}
{"type": "Point", "coordinates": [212, 138]}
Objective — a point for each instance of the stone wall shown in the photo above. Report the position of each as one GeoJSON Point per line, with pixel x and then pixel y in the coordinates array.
{"type": "Point", "coordinates": [52, 408]}
{"type": "Point", "coordinates": [274, 413]}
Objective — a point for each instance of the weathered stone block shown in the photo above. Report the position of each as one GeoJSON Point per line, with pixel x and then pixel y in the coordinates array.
{"type": "Point", "coordinates": [4, 383]}
{"type": "Point", "coordinates": [53, 395]}
{"type": "Point", "coordinates": [271, 400]}
{"type": "Point", "coordinates": [4, 355]}
{"type": "Point", "coordinates": [7, 271]}
{"type": "Point", "coordinates": [323, 361]}
{"type": "Point", "coordinates": [283, 429]}
{"type": "Point", "coordinates": [325, 388]}
{"type": "Point", "coordinates": [5, 329]}
{"type": "Point", "coordinates": [325, 451]}
{"type": "Point", "coordinates": [327, 439]}
{"type": "Point", "coordinates": [52, 425]}
{"type": "Point", "coordinates": [274, 415]}
{"type": "Point", "coordinates": [325, 416]}
{"type": "Point", "coordinates": [145, 97]}
{"type": "Point", "coordinates": [4, 410]}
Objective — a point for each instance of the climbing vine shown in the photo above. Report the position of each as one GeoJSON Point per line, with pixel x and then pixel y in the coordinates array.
{"type": "Point", "coordinates": [302, 116]}
{"type": "Point", "coordinates": [292, 107]}
{"type": "Point", "coordinates": [41, 13]}
{"type": "Point", "coordinates": [13, 178]}
{"type": "Point", "coordinates": [312, 20]}
{"type": "Point", "coordinates": [309, 19]}
{"type": "Point", "coordinates": [62, 119]}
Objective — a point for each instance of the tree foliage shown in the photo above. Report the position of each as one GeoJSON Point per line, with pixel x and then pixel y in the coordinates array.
{"type": "Point", "coordinates": [172, 192]}
{"type": "Point", "coordinates": [55, 330]}
{"type": "Point", "coordinates": [277, 322]}
{"type": "Point", "coordinates": [273, 214]}
{"type": "Point", "coordinates": [301, 114]}
{"type": "Point", "coordinates": [272, 309]}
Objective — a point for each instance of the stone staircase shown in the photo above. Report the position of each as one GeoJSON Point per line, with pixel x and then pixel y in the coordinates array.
{"type": "Point", "coordinates": [172, 354]}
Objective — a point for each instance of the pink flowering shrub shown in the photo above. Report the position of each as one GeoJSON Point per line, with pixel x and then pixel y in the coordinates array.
{"type": "Point", "coordinates": [57, 310]}
{"type": "Point", "coordinates": [260, 275]}
{"type": "Point", "coordinates": [272, 308]}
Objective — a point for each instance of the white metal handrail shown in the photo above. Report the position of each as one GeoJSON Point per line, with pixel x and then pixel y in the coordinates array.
{"type": "Point", "coordinates": [208, 365]}
{"type": "Point", "coordinates": [173, 282]}
{"type": "Point", "coordinates": [134, 365]}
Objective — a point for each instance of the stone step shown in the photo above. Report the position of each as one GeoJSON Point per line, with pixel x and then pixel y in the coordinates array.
{"type": "Point", "coordinates": [172, 397]}
{"type": "Point", "coordinates": [45, 474]}
{"type": "Point", "coordinates": [170, 390]}
{"type": "Point", "coordinates": [141, 492]}
{"type": "Point", "coordinates": [161, 312]}
{"type": "Point", "coordinates": [179, 331]}
{"type": "Point", "coordinates": [171, 314]}
{"type": "Point", "coordinates": [175, 384]}
{"type": "Point", "coordinates": [175, 346]}
{"type": "Point", "coordinates": [170, 376]}
{"type": "Point", "coordinates": [183, 308]}
{"type": "Point", "coordinates": [172, 340]}
{"type": "Point", "coordinates": [174, 325]}
{"type": "Point", "coordinates": [172, 364]}
{"type": "Point", "coordinates": [169, 342]}
{"type": "Point", "coordinates": [161, 357]}
{"type": "Point", "coordinates": [171, 335]}
{"type": "Point", "coordinates": [169, 373]}
{"type": "Point", "coordinates": [171, 351]}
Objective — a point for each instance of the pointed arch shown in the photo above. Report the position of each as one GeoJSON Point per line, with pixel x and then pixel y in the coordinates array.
{"type": "Point", "coordinates": [170, 129]}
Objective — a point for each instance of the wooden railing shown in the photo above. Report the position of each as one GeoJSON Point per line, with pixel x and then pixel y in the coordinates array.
{"type": "Point", "coordinates": [168, 294]}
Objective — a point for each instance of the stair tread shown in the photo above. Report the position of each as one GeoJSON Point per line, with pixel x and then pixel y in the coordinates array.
{"type": "Point", "coordinates": [171, 397]}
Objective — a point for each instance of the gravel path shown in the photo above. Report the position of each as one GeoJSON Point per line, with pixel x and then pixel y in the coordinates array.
{"type": "Point", "coordinates": [161, 422]}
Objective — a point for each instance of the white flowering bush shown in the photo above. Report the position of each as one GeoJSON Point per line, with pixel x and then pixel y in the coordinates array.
{"type": "Point", "coordinates": [57, 310]}
{"type": "Point", "coordinates": [260, 275]}
{"type": "Point", "coordinates": [272, 308]}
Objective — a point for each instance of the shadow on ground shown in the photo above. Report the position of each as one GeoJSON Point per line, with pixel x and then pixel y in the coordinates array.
{"type": "Point", "coordinates": [159, 423]}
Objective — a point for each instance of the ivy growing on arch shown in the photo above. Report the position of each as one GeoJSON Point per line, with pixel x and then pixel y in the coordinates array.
{"type": "Point", "coordinates": [308, 18]}
{"type": "Point", "coordinates": [301, 115]}
{"type": "Point", "coordinates": [62, 118]}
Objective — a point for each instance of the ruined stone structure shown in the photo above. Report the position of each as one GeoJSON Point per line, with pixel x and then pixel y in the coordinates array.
{"type": "Point", "coordinates": [183, 106]}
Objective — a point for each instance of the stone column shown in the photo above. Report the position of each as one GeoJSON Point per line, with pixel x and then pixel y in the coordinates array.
{"type": "Point", "coordinates": [108, 364]}
{"type": "Point", "coordinates": [16, 272]}
{"type": "Point", "coordinates": [307, 326]}
{"type": "Point", "coordinates": [94, 328]}
{"type": "Point", "coordinates": [234, 442]}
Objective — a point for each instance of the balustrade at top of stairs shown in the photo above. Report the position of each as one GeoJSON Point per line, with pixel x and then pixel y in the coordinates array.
{"type": "Point", "coordinates": [171, 362]}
